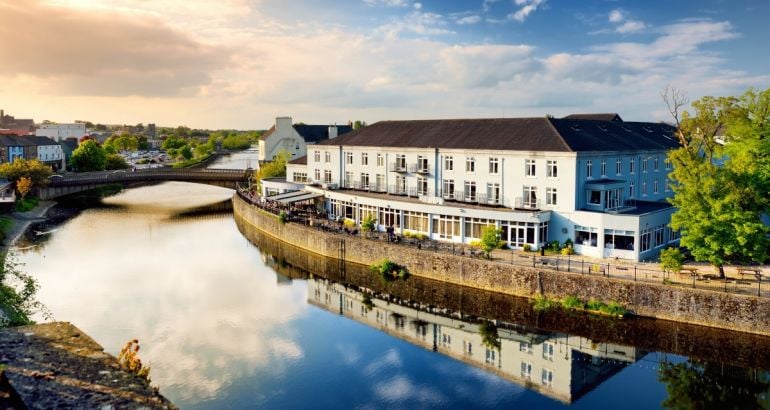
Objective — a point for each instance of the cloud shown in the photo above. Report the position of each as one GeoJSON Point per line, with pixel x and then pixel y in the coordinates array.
{"type": "Point", "coordinates": [630, 26]}
{"type": "Point", "coordinates": [529, 6]}
{"type": "Point", "coordinates": [75, 52]}
{"type": "Point", "coordinates": [472, 19]}
{"type": "Point", "coordinates": [387, 3]}
{"type": "Point", "coordinates": [416, 22]}
{"type": "Point", "coordinates": [616, 16]}
{"type": "Point", "coordinates": [487, 5]}
{"type": "Point", "coordinates": [623, 25]}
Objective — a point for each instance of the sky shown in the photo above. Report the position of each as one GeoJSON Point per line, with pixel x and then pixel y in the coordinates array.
{"type": "Point", "coordinates": [241, 63]}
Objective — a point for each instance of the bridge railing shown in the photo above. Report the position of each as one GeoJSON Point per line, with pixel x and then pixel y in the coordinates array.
{"type": "Point", "coordinates": [155, 174]}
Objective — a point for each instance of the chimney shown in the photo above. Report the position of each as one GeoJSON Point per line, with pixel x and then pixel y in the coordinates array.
{"type": "Point", "coordinates": [282, 123]}
{"type": "Point", "coordinates": [332, 131]}
{"type": "Point", "coordinates": [2, 117]}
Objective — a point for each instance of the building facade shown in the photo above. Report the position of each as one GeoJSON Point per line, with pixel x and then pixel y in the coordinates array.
{"type": "Point", "coordinates": [60, 132]}
{"type": "Point", "coordinates": [294, 138]}
{"type": "Point", "coordinates": [601, 184]}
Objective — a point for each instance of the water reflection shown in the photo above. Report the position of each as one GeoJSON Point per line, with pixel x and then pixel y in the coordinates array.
{"type": "Point", "coordinates": [237, 160]}
{"type": "Point", "coordinates": [557, 365]}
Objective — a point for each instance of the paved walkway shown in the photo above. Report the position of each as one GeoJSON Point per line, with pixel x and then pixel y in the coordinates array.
{"type": "Point", "coordinates": [22, 221]}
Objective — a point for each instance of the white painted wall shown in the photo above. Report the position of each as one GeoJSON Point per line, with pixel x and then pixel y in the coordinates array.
{"type": "Point", "coordinates": [60, 132]}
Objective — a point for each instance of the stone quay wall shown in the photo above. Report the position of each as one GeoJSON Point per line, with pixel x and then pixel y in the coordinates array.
{"type": "Point", "coordinates": [708, 308]}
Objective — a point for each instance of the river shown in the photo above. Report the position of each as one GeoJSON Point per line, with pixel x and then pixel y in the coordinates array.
{"type": "Point", "coordinates": [228, 319]}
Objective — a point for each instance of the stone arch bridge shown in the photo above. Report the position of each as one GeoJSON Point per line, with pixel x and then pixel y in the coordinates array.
{"type": "Point", "coordinates": [60, 185]}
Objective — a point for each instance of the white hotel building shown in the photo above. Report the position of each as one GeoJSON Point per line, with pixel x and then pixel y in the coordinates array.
{"type": "Point", "coordinates": [594, 179]}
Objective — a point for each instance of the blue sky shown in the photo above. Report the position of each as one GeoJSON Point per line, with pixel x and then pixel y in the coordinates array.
{"type": "Point", "coordinates": [240, 63]}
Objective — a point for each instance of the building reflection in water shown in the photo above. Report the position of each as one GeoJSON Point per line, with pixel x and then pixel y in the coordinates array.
{"type": "Point", "coordinates": [557, 365]}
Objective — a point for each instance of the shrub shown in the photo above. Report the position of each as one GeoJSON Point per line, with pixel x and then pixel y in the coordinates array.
{"type": "Point", "coordinates": [283, 217]}
{"type": "Point", "coordinates": [543, 303]}
{"type": "Point", "coordinates": [390, 270]}
{"type": "Point", "coordinates": [568, 243]}
{"type": "Point", "coordinates": [572, 302]}
{"type": "Point", "coordinates": [567, 251]}
{"type": "Point", "coordinates": [555, 245]}
{"type": "Point", "coordinates": [594, 304]}
{"type": "Point", "coordinates": [129, 360]}
{"type": "Point", "coordinates": [26, 204]}
{"type": "Point", "coordinates": [367, 301]}
{"type": "Point", "coordinates": [368, 224]}
{"type": "Point", "coordinates": [614, 309]}
{"type": "Point", "coordinates": [407, 234]}
{"type": "Point", "coordinates": [527, 247]}
{"type": "Point", "coordinates": [349, 223]}
{"type": "Point", "coordinates": [671, 260]}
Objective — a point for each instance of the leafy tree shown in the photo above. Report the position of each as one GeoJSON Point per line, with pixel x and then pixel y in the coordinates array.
{"type": "Point", "coordinates": [173, 143]}
{"type": "Point", "coordinates": [720, 184]}
{"type": "Point", "coordinates": [358, 124]}
{"type": "Point", "coordinates": [89, 156]}
{"type": "Point", "coordinates": [24, 185]}
{"type": "Point", "coordinates": [490, 239]}
{"type": "Point", "coordinates": [33, 169]}
{"type": "Point", "coordinates": [115, 161]}
{"type": "Point", "coordinates": [186, 152]}
{"type": "Point", "coordinates": [368, 224]}
{"type": "Point", "coordinates": [17, 293]}
{"type": "Point", "coordinates": [671, 260]}
{"type": "Point", "coordinates": [273, 169]}
{"type": "Point", "coordinates": [489, 336]}
{"type": "Point", "coordinates": [142, 142]}
{"type": "Point", "coordinates": [182, 131]}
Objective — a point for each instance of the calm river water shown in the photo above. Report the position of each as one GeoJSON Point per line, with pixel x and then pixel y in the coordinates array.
{"type": "Point", "coordinates": [228, 319]}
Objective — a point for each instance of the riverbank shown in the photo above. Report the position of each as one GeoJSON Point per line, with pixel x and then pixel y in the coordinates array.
{"type": "Point", "coordinates": [21, 221]}
{"type": "Point", "coordinates": [657, 300]}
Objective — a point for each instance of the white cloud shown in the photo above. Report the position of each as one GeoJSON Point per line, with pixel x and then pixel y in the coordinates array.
{"type": "Point", "coordinates": [616, 16]}
{"type": "Point", "coordinates": [630, 26]}
{"type": "Point", "coordinates": [529, 6]}
{"type": "Point", "coordinates": [487, 5]}
{"type": "Point", "coordinates": [416, 22]}
{"type": "Point", "coordinates": [388, 3]}
{"type": "Point", "coordinates": [473, 19]}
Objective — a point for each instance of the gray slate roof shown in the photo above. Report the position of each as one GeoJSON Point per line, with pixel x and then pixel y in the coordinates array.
{"type": "Point", "coordinates": [299, 161]}
{"type": "Point", "coordinates": [609, 116]}
{"type": "Point", "coordinates": [514, 134]}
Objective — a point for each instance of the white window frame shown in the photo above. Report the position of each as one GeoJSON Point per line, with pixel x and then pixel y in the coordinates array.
{"type": "Point", "coordinates": [364, 158]}
{"type": "Point", "coordinates": [530, 167]}
{"type": "Point", "coordinates": [449, 163]}
{"type": "Point", "coordinates": [470, 165]}
{"type": "Point", "coordinates": [551, 196]}
{"type": "Point", "coordinates": [552, 169]}
{"type": "Point", "coordinates": [494, 165]}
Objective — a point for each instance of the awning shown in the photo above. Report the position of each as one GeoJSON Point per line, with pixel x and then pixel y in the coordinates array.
{"type": "Point", "coordinates": [285, 195]}
{"type": "Point", "coordinates": [305, 197]}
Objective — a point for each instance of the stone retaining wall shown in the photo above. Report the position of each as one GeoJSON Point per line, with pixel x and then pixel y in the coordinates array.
{"type": "Point", "coordinates": [708, 308]}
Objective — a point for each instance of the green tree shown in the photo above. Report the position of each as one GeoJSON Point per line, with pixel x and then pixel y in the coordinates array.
{"type": "Point", "coordinates": [33, 169]}
{"type": "Point", "coordinates": [186, 152]}
{"type": "Point", "coordinates": [490, 239]}
{"type": "Point", "coordinates": [358, 124]}
{"type": "Point", "coordinates": [115, 161]}
{"type": "Point", "coordinates": [89, 156]}
{"type": "Point", "coordinates": [173, 143]}
{"type": "Point", "coordinates": [17, 294]}
{"type": "Point", "coordinates": [671, 260]}
{"type": "Point", "coordinates": [272, 169]}
{"type": "Point", "coordinates": [721, 178]}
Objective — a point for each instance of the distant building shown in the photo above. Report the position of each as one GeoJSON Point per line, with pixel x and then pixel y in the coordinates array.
{"type": "Point", "coordinates": [60, 132]}
{"type": "Point", "coordinates": [68, 146]}
{"type": "Point", "coordinates": [149, 131]}
{"type": "Point", "coordinates": [294, 138]}
{"type": "Point", "coordinates": [9, 122]}
{"type": "Point", "coordinates": [48, 151]}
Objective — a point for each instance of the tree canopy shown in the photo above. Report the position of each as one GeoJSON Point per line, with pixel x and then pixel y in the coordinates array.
{"type": "Point", "coordinates": [33, 169]}
{"type": "Point", "coordinates": [275, 168]}
{"type": "Point", "coordinates": [89, 156]}
{"type": "Point", "coordinates": [721, 177]}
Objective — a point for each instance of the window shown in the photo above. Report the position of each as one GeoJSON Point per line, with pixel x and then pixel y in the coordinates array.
{"type": "Point", "coordinates": [529, 168]}
{"type": "Point", "coordinates": [364, 180]}
{"type": "Point", "coordinates": [589, 168]}
{"type": "Point", "coordinates": [525, 347]}
{"type": "Point", "coordinates": [327, 157]}
{"type": "Point", "coordinates": [552, 169]}
{"type": "Point", "coordinates": [400, 185]}
{"type": "Point", "coordinates": [380, 183]}
{"type": "Point", "coordinates": [449, 188]}
{"type": "Point", "coordinates": [422, 164]}
{"type": "Point", "coordinates": [422, 186]}
{"type": "Point", "coordinates": [655, 164]}
{"type": "Point", "coordinates": [490, 357]}
{"type": "Point", "coordinates": [668, 185]}
{"type": "Point", "coordinates": [547, 377]}
{"type": "Point", "coordinates": [448, 164]}
{"type": "Point", "coordinates": [526, 370]}
{"type": "Point", "coordinates": [380, 160]}
{"type": "Point", "coordinates": [667, 164]}
{"type": "Point", "coordinates": [348, 179]}
{"type": "Point", "coordinates": [400, 162]}
{"type": "Point", "coordinates": [317, 156]}
{"type": "Point", "coordinates": [317, 175]}
{"type": "Point", "coordinates": [655, 186]}
{"type": "Point", "coordinates": [446, 340]}
{"type": "Point", "coordinates": [631, 166]}
{"type": "Point", "coordinates": [470, 164]}
{"type": "Point", "coordinates": [470, 190]}
{"type": "Point", "coordinates": [364, 158]}
{"type": "Point", "coordinates": [645, 240]}
{"type": "Point", "coordinates": [300, 177]}
{"type": "Point", "coordinates": [644, 164]}
{"type": "Point", "coordinates": [446, 227]}
{"type": "Point", "coordinates": [530, 196]}
{"type": "Point", "coordinates": [349, 158]}
{"type": "Point", "coordinates": [586, 236]}
{"type": "Point", "coordinates": [595, 197]}
{"type": "Point", "coordinates": [618, 166]}
{"type": "Point", "coordinates": [604, 167]}
{"type": "Point", "coordinates": [548, 351]}
{"type": "Point", "coordinates": [550, 196]}
{"type": "Point", "coordinates": [659, 235]}
{"type": "Point", "coordinates": [493, 194]}
{"type": "Point", "coordinates": [327, 176]}
{"type": "Point", "coordinates": [631, 189]}
{"type": "Point", "coordinates": [644, 187]}
{"type": "Point", "coordinates": [494, 165]}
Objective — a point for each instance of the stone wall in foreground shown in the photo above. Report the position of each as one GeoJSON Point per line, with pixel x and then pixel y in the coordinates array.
{"type": "Point", "coordinates": [723, 310]}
